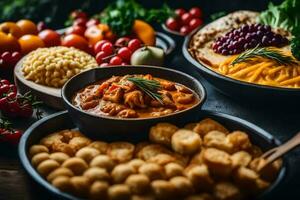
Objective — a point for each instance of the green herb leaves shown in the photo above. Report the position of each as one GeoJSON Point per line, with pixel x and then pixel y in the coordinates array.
{"type": "Point", "coordinates": [150, 87]}
{"type": "Point", "coordinates": [265, 52]}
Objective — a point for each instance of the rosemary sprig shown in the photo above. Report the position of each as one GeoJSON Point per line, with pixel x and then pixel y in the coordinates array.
{"type": "Point", "coordinates": [266, 52]}
{"type": "Point", "coordinates": [150, 87]}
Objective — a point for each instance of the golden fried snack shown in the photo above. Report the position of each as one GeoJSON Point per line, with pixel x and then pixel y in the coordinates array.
{"type": "Point", "coordinates": [139, 146]}
{"type": "Point", "coordinates": [47, 166]}
{"type": "Point", "coordinates": [77, 165]}
{"type": "Point", "coordinates": [38, 148]}
{"type": "Point", "coordinates": [152, 170]}
{"type": "Point", "coordinates": [183, 185]}
{"type": "Point", "coordinates": [218, 162]}
{"type": "Point", "coordinates": [39, 157]}
{"type": "Point", "coordinates": [199, 177]}
{"type": "Point", "coordinates": [87, 153]}
{"type": "Point", "coordinates": [80, 185]}
{"type": "Point", "coordinates": [61, 171]}
{"type": "Point", "coordinates": [239, 140]}
{"type": "Point", "coordinates": [120, 151]}
{"type": "Point", "coordinates": [63, 147]}
{"type": "Point", "coordinates": [182, 160]}
{"type": "Point", "coordinates": [241, 159]}
{"type": "Point", "coordinates": [98, 190]}
{"type": "Point", "coordinates": [152, 150]}
{"type": "Point", "coordinates": [227, 191]}
{"type": "Point", "coordinates": [49, 140]}
{"type": "Point", "coordinates": [217, 139]}
{"type": "Point", "coordinates": [245, 178]}
{"type": "Point", "coordinates": [255, 151]}
{"type": "Point", "coordinates": [96, 174]}
{"type": "Point", "coordinates": [186, 142]}
{"type": "Point", "coordinates": [103, 161]}
{"type": "Point", "coordinates": [203, 196]}
{"type": "Point", "coordinates": [163, 189]}
{"type": "Point", "coordinates": [197, 158]}
{"type": "Point", "coordinates": [136, 163]}
{"type": "Point", "coordinates": [119, 192]}
{"type": "Point", "coordinates": [67, 135]}
{"type": "Point", "coordinates": [190, 126]}
{"type": "Point", "coordinates": [162, 159]}
{"type": "Point", "coordinates": [173, 169]}
{"type": "Point", "coordinates": [121, 172]}
{"type": "Point", "coordinates": [59, 157]}
{"type": "Point", "coordinates": [62, 183]}
{"type": "Point", "coordinates": [162, 133]}
{"type": "Point", "coordinates": [77, 143]}
{"type": "Point", "coordinates": [269, 172]}
{"type": "Point", "coordinates": [143, 197]}
{"type": "Point", "coordinates": [100, 146]}
{"type": "Point", "coordinates": [261, 185]}
{"type": "Point", "coordinates": [138, 183]}
{"type": "Point", "coordinates": [207, 125]}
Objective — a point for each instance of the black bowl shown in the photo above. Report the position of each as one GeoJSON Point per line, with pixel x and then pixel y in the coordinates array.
{"type": "Point", "coordinates": [239, 89]}
{"type": "Point", "coordinates": [62, 120]}
{"type": "Point", "coordinates": [118, 128]}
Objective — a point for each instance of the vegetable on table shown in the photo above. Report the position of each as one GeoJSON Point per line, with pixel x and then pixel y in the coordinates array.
{"type": "Point", "coordinates": [144, 32]}
{"type": "Point", "coordinates": [7, 134]}
{"type": "Point", "coordinates": [148, 55]}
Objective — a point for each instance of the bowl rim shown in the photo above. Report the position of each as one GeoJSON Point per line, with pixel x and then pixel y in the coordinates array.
{"type": "Point", "coordinates": [256, 130]}
{"type": "Point", "coordinates": [203, 67]}
{"type": "Point", "coordinates": [202, 97]}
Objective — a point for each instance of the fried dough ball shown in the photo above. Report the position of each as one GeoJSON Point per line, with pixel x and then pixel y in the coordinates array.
{"type": "Point", "coordinates": [241, 159]}
{"type": "Point", "coordinates": [103, 161]}
{"type": "Point", "coordinates": [61, 171]}
{"type": "Point", "coordinates": [77, 165]}
{"type": "Point", "coordinates": [173, 169]}
{"type": "Point", "coordinates": [183, 185]}
{"type": "Point", "coordinates": [143, 197]}
{"type": "Point", "coordinates": [239, 140]}
{"type": "Point", "coordinates": [245, 178]}
{"type": "Point", "coordinates": [139, 146]}
{"type": "Point", "coordinates": [152, 170]}
{"type": "Point", "coordinates": [67, 135]}
{"type": "Point", "coordinates": [96, 174]}
{"type": "Point", "coordinates": [80, 185]}
{"type": "Point", "coordinates": [119, 192]}
{"type": "Point", "coordinates": [136, 163]}
{"type": "Point", "coordinates": [120, 151]}
{"type": "Point", "coordinates": [63, 147]}
{"type": "Point", "coordinates": [49, 140]}
{"type": "Point", "coordinates": [207, 125]}
{"type": "Point", "coordinates": [59, 157]}
{"type": "Point", "coordinates": [203, 196]}
{"type": "Point", "coordinates": [47, 166]}
{"type": "Point", "coordinates": [199, 177]}
{"type": "Point", "coordinates": [138, 183]}
{"type": "Point", "coordinates": [37, 148]}
{"type": "Point", "coordinates": [79, 142]}
{"type": "Point", "coordinates": [98, 190]}
{"type": "Point", "coordinates": [227, 191]}
{"type": "Point", "coordinates": [218, 162]}
{"type": "Point", "coordinates": [87, 153]}
{"type": "Point", "coordinates": [190, 126]}
{"type": "Point", "coordinates": [163, 189]}
{"type": "Point", "coordinates": [269, 172]}
{"type": "Point", "coordinates": [217, 140]}
{"type": "Point", "coordinates": [197, 158]}
{"type": "Point", "coordinates": [62, 183]}
{"type": "Point", "coordinates": [186, 142]}
{"type": "Point", "coordinates": [121, 172]}
{"type": "Point", "coordinates": [39, 157]}
{"type": "Point", "coordinates": [182, 160]}
{"type": "Point", "coordinates": [255, 151]}
{"type": "Point", "coordinates": [100, 146]}
{"type": "Point", "coordinates": [261, 185]}
{"type": "Point", "coordinates": [162, 159]}
{"type": "Point", "coordinates": [152, 150]}
{"type": "Point", "coordinates": [162, 133]}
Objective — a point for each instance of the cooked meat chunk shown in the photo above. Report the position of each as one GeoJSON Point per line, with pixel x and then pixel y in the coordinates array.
{"type": "Point", "coordinates": [134, 99]}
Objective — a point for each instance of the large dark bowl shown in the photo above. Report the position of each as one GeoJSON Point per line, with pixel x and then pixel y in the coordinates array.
{"type": "Point", "coordinates": [239, 89]}
{"type": "Point", "coordinates": [117, 128]}
{"type": "Point", "coordinates": [62, 120]}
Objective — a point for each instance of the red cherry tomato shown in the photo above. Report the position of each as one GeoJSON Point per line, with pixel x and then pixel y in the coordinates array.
{"type": "Point", "coordinates": [116, 60]}
{"type": "Point", "coordinates": [134, 44]}
{"type": "Point", "coordinates": [98, 45]}
{"type": "Point", "coordinates": [194, 23]}
{"type": "Point", "coordinates": [16, 56]}
{"type": "Point", "coordinates": [196, 12]}
{"type": "Point", "coordinates": [80, 22]}
{"type": "Point", "coordinates": [172, 24]}
{"type": "Point", "coordinates": [13, 137]}
{"type": "Point", "coordinates": [78, 14]}
{"type": "Point", "coordinates": [78, 30]}
{"type": "Point", "coordinates": [6, 57]}
{"type": "Point", "coordinates": [41, 26]}
{"type": "Point", "coordinates": [50, 37]}
{"type": "Point", "coordinates": [107, 48]}
{"type": "Point", "coordinates": [186, 18]}
{"type": "Point", "coordinates": [4, 82]}
{"type": "Point", "coordinates": [100, 56]}
{"type": "Point", "coordinates": [184, 30]}
{"type": "Point", "coordinates": [92, 22]}
{"type": "Point", "coordinates": [180, 11]}
{"type": "Point", "coordinates": [76, 41]}
{"type": "Point", "coordinates": [125, 53]}
{"type": "Point", "coordinates": [123, 41]}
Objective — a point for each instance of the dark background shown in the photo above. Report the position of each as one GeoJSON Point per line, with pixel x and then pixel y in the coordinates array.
{"type": "Point", "coordinates": [281, 120]}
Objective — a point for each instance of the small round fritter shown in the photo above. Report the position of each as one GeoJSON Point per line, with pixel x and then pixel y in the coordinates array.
{"type": "Point", "coordinates": [37, 148]}
{"type": "Point", "coordinates": [100, 146]}
{"type": "Point", "coordinates": [98, 190]}
{"type": "Point", "coordinates": [119, 192]}
{"type": "Point", "coordinates": [163, 189]}
{"type": "Point", "coordinates": [120, 151]}
{"type": "Point", "coordinates": [61, 171]}
{"type": "Point", "coordinates": [96, 174]}
{"type": "Point", "coordinates": [39, 157]}
{"type": "Point", "coordinates": [152, 170]}
{"type": "Point", "coordinates": [152, 150]}
{"type": "Point", "coordinates": [207, 125]}
{"type": "Point", "coordinates": [173, 169]}
{"type": "Point", "coordinates": [138, 183]}
{"type": "Point", "coordinates": [62, 183]}
{"type": "Point", "coordinates": [226, 191]}
{"type": "Point", "coordinates": [77, 165]}
{"type": "Point", "coordinates": [59, 157]}
{"type": "Point", "coordinates": [121, 172]}
{"type": "Point", "coordinates": [186, 142]}
{"type": "Point", "coordinates": [183, 185]}
{"type": "Point", "coordinates": [80, 185]}
{"type": "Point", "coordinates": [87, 153]}
{"type": "Point", "coordinates": [241, 159]}
{"type": "Point", "coordinates": [47, 166]}
{"type": "Point", "coordinates": [162, 133]}
{"type": "Point", "coordinates": [199, 176]}
{"type": "Point", "coordinates": [103, 161]}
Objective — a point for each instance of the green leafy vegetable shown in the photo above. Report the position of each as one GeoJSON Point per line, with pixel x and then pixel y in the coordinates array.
{"type": "Point", "coordinates": [266, 52]}
{"type": "Point", "coordinates": [150, 87]}
{"type": "Point", "coordinates": [217, 15]}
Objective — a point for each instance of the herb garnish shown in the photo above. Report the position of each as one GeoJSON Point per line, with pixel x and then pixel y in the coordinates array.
{"type": "Point", "coordinates": [265, 52]}
{"type": "Point", "coordinates": [150, 87]}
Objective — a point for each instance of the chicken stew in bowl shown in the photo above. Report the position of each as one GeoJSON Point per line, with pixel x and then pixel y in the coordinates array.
{"type": "Point", "coordinates": [135, 96]}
